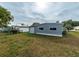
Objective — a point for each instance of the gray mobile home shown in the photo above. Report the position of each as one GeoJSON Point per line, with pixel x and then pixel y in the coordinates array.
{"type": "Point", "coordinates": [51, 29]}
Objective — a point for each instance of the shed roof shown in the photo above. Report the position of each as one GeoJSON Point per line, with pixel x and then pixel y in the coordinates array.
{"type": "Point", "coordinates": [37, 24]}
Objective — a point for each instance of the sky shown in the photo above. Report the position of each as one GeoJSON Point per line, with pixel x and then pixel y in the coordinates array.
{"type": "Point", "coordinates": [42, 12]}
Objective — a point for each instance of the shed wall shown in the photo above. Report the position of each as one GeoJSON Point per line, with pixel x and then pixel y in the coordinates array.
{"type": "Point", "coordinates": [31, 29]}
{"type": "Point", "coordinates": [46, 29]}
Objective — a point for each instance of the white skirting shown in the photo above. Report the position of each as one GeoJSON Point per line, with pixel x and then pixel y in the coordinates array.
{"type": "Point", "coordinates": [50, 34]}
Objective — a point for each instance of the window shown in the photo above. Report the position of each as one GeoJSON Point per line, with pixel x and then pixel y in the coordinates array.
{"type": "Point", "coordinates": [52, 28]}
{"type": "Point", "coordinates": [41, 28]}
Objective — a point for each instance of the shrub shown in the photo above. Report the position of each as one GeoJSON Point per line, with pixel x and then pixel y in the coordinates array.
{"type": "Point", "coordinates": [64, 33]}
{"type": "Point", "coordinates": [14, 31]}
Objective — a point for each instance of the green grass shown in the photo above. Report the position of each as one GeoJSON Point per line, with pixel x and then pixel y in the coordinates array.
{"type": "Point", "coordinates": [26, 44]}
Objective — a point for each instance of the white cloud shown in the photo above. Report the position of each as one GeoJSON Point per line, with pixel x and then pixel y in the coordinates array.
{"type": "Point", "coordinates": [26, 12]}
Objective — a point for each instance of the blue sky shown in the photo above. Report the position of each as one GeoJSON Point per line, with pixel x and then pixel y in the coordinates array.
{"type": "Point", "coordinates": [29, 12]}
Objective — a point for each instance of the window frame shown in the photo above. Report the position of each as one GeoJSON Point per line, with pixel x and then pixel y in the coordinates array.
{"type": "Point", "coordinates": [41, 28]}
{"type": "Point", "coordinates": [53, 28]}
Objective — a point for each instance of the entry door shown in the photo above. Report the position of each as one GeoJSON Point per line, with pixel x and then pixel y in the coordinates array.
{"type": "Point", "coordinates": [32, 30]}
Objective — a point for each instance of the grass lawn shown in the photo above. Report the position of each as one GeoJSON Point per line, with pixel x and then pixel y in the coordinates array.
{"type": "Point", "coordinates": [26, 44]}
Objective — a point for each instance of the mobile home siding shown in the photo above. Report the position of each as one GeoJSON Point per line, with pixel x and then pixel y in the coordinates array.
{"type": "Point", "coordinates": [47, 31]}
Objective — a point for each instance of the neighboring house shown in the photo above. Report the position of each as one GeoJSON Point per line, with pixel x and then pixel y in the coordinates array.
{"type": "Point", "coordinates": [22, 28]}
{"type": "Point", "coordinates": [52, 29]}
{"type": "Point", "coordinates": [4, 29]}
{"type": "Point", "coordinates": [76, 28]}
{"type": "Point", "coordinates": [1, 29]}
{"type": "Point", "coordinates": [9, 28]}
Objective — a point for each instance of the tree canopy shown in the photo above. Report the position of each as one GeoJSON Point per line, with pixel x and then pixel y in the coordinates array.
{"type": "Point", "coordinates": [5, 17]}
{"type": "Point", "coordinates": [69, 24]}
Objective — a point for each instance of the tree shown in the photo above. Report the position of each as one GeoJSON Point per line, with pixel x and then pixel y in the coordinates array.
{"type": "Point", "coordinates": [22, 24]}
{"type": "Point", "coordinates": [5, 17]}
{"type": "Point", "coordinates": [68, 27]}
{"type": "Point", "coordinates": [68, 24]}
{"type": "Point", "coordinates": [35, 24]}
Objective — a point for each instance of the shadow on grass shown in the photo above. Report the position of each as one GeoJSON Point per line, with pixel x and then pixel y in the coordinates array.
{"type": "Point", "coordinates": [42, 36]}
